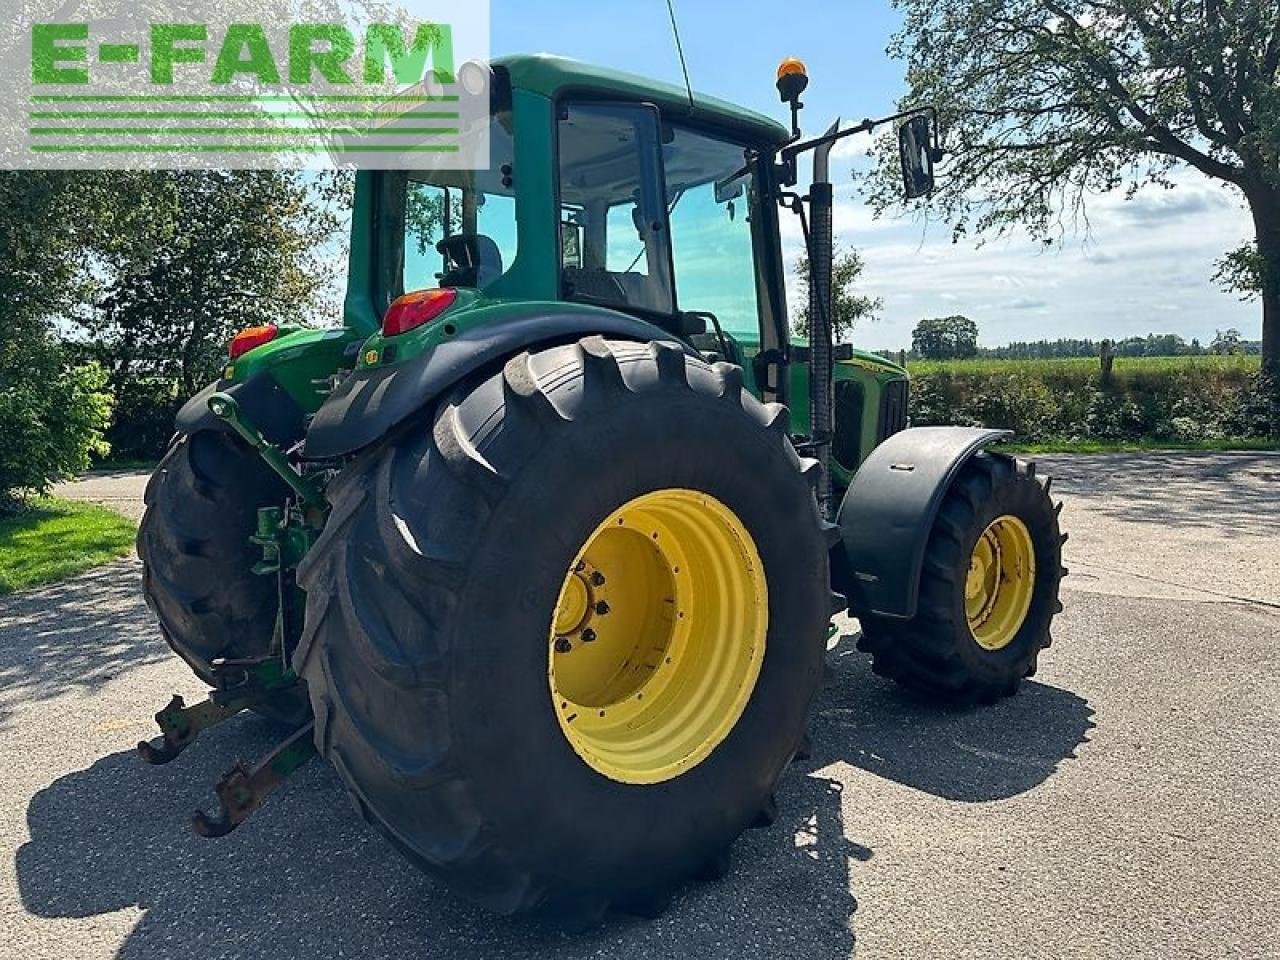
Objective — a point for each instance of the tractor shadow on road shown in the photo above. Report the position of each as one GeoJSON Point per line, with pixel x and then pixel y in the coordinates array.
{"type": "Point", "coordinates": [306, 877]}
{"type": "Point", "coordinates": [1231, 494]}
{"type": "Point", "coordinates": [968, 754]}
{"type": "Point", "coordinates": [82, 632]}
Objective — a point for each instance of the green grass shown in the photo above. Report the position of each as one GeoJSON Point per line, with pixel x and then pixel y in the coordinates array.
{"type": "Point", "coordinates": [55, 538]}
{"type": "Point", "coordinates": [1119, 446]}
{"type": "Point", "coordinates": [1085, 365]}
{"type": "Point", "coordinates": [123, 463]}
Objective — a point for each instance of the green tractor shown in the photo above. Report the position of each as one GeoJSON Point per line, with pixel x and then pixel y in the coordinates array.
{"type": "Point", "coordinates": [540, 550]}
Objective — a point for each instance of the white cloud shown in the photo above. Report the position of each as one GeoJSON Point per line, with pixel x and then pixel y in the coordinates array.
{"type": "Point", "coordinates": [1146, 265]}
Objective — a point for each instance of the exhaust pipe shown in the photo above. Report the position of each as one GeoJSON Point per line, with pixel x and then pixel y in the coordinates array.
{"type": "Point", "coordinates": [821, 364]}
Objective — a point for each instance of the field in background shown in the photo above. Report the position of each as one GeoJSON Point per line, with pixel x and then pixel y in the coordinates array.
{"type": "Point", "coordinates": [1077, 367]}
{"type": "Point", "coordinates": [1213, 402]}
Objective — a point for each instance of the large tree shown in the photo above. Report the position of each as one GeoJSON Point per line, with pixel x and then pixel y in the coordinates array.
{"type": "Point", "coordinates": [945, 338]}
{"type": "Point", "coordinates": [1047, 101]}
{"type": "Point", "coordinates": [236, 248]}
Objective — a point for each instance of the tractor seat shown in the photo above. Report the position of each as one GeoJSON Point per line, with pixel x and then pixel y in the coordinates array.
{"type": "Point", "coordinates": [472, 260]}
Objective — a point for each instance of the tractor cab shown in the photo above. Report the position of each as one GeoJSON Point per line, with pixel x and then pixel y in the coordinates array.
{"type": "Point", "coordinates": [614, 193]}
{"type": "Point", "coordinates": [596, 196]}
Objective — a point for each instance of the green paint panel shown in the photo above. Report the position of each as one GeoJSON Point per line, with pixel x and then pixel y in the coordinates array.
{"type": "Point", "coordinates": [300, 360]}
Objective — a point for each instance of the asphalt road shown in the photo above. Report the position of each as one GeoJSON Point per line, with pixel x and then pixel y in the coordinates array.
{"type": "Point", "coordinates": [1125, 804]}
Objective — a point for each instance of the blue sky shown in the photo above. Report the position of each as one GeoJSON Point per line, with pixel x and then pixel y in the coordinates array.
{"type": "Point", "coordinates": [1146, 267]}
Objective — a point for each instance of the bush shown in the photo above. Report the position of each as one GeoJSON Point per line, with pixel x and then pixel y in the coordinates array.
{"type": "Point", "coordinates": [142, 423]}
{"type": "Point", "coordinates": [52, 417]}
{"type": "Point", "coordinates": [1257, 413]}
{"type": "Point", "coordinates": [1159, 399]}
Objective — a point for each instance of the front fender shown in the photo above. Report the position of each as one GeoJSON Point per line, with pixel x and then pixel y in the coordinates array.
{"type": "Point", "coordinates": [889, 511]}
{"type": "Point", "coordinates": [373, 400]}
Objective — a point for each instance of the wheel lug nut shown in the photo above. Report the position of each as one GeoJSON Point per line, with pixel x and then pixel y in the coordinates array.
{"type": "Point", "coordinates": [563, 645]}
{"type": "Point", "coordinates": [602, 608]}
{"type": "Point", "coordinates": [588, 635]}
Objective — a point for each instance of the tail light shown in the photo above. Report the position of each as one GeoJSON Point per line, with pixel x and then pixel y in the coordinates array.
{"type": "Point", "coordinates": [414, 309]}
{"type": "Point", "coordinates": [251, 337]}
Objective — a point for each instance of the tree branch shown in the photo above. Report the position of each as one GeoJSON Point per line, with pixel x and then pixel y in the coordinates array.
{"type": "Point", "coordinates": [1168, 142]}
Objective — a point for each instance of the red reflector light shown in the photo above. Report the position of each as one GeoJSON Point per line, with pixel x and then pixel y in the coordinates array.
{"type": "Point", "coordinates": [414, 309]}
{"type": "Point", "coordinates": [251, 337]}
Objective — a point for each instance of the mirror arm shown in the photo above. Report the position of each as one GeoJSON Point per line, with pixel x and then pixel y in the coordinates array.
{"type": "Point", "coordinates": [792, 151]}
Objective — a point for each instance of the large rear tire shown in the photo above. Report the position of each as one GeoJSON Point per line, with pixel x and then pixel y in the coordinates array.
{"type": "Point", "coordinates": [456, 584]}
{"type": "Point", "coordinates": [988, 589]}
{"type": "Point", "coordinates": [202, 504]}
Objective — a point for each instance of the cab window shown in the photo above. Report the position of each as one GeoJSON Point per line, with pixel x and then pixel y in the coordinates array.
{"type": "Point", "coordinates": [711, 194]}
{"type": "Point", "coordinates": [450, 228]}
{"type": "Point", "coordinates": [614, 240]}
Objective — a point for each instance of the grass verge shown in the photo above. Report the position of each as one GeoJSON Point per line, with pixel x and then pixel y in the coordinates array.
{"type": "Point", "coordinates": [56, 538]}
{"type": "Point", "coordinates": [1141, 446]}
{"type": "Point", "coordinates": [124, 463]}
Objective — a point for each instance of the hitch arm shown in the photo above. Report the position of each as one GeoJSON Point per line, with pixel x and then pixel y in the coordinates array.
{"type": "Point", "coordinates": [180, 725]}
{"type": "Point", "coordinates": [242, 789]}
{"type": "Point", "coordinates": [224, 407]}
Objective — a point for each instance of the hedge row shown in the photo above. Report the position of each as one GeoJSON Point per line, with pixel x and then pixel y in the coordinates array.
{"type": "Point", "coordinates": [1162, 399]}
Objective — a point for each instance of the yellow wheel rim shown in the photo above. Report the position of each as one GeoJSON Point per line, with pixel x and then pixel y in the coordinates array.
{"type": "Point", "coordinates": [658, 636]}
{"type": "Point", "coordinates": [1000, 583]}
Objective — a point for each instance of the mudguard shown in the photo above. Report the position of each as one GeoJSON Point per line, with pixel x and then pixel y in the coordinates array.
{"type": "Point", "coordinates": [373, 400]}
{"type": "Point", "coordinates": [888, 512]}
{"type": "Point", "coordinates": [262, 399]}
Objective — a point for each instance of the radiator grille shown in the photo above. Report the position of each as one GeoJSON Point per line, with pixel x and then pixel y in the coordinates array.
{"type": "Point", "coordinates": [893, 408]}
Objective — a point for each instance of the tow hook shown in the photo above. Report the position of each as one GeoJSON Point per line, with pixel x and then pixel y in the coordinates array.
{"type": "Point", "coordinates": [239, 684]}
{"type": "Point", "coordinates": [180, 725]}
{"type": "Point", "coordinates": [242, 789]}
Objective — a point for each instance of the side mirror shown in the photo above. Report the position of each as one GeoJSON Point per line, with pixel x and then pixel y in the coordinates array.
{"type": "Point", "coordinates": [918, 153]}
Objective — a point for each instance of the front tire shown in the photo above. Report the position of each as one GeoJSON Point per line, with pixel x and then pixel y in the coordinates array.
{"type": "Point", "coordinates": [445, 610]}
{"type": "Point", "coordinates": [988, 589]}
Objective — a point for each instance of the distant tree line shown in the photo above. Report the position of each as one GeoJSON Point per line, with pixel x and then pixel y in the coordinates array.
{"type": "Point", "coordinates": [1227, 342]}
{"type": "Point", "coordinates": [956, 338]}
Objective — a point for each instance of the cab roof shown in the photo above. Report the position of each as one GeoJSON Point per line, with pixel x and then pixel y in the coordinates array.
{"type": "Point", "coordinates": [553, 76]}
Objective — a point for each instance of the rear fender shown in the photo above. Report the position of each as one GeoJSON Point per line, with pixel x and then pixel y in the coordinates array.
{"type": "Point", "coordinates": [889, 510]}
{"type": "Point", "coordinates": [276, 385]}
{"type": "Point", "coordinates": [267, 404]}
{"type": "Point", "coordinates": [375, 399]}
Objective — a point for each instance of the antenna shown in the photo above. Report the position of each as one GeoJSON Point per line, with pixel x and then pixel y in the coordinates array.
{"type": "Point", "coordinates": [675, 30]}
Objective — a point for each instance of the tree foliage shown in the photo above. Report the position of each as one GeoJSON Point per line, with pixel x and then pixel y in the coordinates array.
{"type": "Point", "coordinates": [233, 249]}
{"type": "Point", "coordinates": [52, 416]}
{"type": "Point", "coordinates": [1047, 101]}
{"type": "Point", "coordinates": [945, 338]}
{"type": "Point", "coordinates": [848, 305]}
{"type": "Point", "coordinates": [1227, 343]}
{"type": "Point", "coordinates": [147, 274]}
